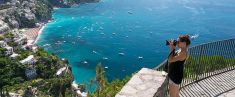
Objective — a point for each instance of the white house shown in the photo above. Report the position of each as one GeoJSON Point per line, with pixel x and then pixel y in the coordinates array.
{"type": "Point", "coordinates": [3, 44]}
{"type": "Point", "coordinates": [29, 60]}
{"type": "Point", "coordinates": [30, 73]}
{"type": "Point", "coordinates": [30, 44]}
{"type": "Point", "coordinates": [14, 55]}
{"type": "Point", "coordinates": [61, 71]}
{"type": "Point", "coordinates": [9, 50]}
{"type": "Point", "coordinates": [14, 94]}
{"type": "Point", "coordinates": [34, 49]}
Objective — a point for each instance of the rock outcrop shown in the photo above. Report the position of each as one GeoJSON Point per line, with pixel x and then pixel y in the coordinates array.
{"type": "Point", "coordinates": [68, 3]}
{"type": "Point", "coordinates": [3, 27]}
{"type": "Point", "coordinates": [27, 13]}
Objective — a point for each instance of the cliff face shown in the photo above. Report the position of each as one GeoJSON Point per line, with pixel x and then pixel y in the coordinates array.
{"type": "Point", "coordinates": [26, 13]}
{"type": "Point", "coordinates": [68, 3]}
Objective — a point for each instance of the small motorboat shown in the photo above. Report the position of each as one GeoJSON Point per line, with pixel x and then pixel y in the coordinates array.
{"type": "Point", "coordinates": [105, 58]}
{"type": "Point", "coordinates": [121, 54]}
{"type": "Point", "coordinates": [129, 12]}
{"type": "Point", "coordinates": [94, 52]}
{"type": "Point", "coordinates": [140, 57]}
{"type": "Point", "coordinates": [85, 62]}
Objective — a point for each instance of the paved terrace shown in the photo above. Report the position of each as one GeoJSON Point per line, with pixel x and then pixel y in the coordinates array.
{"type": "Point", "coordinates": [221, 85]}
{"type": "Point", "coordinates": [148, 82]}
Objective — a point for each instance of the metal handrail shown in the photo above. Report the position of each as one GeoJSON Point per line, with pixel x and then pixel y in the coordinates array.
{"type": "Point", "coordinates": [206, 60]}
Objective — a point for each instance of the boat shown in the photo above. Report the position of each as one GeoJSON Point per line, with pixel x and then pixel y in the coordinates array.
{"type": "Point", "coordinates": [106, 67]}
{"type": "Point", "coordinates": [94, 52]}
{"type": "Point", "coordinates": [105, 58]}
{"type": "Point", "coordinates": [46, 45]}
{"type": "Point", "coordinates": [129, 12]}
{"type": "Point", "coordinates": [85, 62]}
{"type": "Point", "coordinates": [121, 54]}
{"type": "Point", "coordinates": [140, 57]}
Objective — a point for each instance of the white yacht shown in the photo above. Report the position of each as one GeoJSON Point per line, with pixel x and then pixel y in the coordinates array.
{"type": "Point", "coordinates": [140, 57]}
{"type": "Point", "coordinates": [121, 54]}
{"type": "Point", "coordinates": [85, 62]}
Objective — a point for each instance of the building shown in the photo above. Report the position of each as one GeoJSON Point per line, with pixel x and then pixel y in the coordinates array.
{"type": "Point", "coordinates": [30, 44]}
{"type": "Point", "coordinates": [3, 27]}
{"type": "Point", "coordinates": [34, 49]}
{"type": "Point", "coordinates": [61, 71]}
{"type": "Point", "coordinates": [20, 40]}
{"type": "Point", "coordinates": [30, 73]}
{"type": "Point", "coordinates": [30, 60]}
{"type": "Point", "coordinates": [9, 50]}
{"type": "Point", "coordinates": [3, 44]}
{"type": "Point", "coordinates": [14, 55]}
{"type": "Point", "coordinates": [14, 94]}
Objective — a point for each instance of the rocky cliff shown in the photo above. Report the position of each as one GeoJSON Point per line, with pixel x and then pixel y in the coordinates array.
{"type": "Point", "coordinates": [24, 13]}
{"type": "Point", "coordinates": [68, 3]}
{"type": "Point", "coordinates": [27, 13]}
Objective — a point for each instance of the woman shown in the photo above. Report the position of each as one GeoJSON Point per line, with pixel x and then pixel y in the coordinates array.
{"type": "Point", "coordinates": [176, 64]}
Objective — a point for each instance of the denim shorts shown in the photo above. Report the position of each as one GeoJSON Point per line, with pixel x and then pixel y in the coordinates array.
{"type": "Point", "coordinates": [172, 83]}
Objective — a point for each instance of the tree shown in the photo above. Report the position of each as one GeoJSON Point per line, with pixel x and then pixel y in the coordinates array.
{"type": "Point", "coordinates": [11, 73]}
{"type": "Point", "coordinates": [100, 79]}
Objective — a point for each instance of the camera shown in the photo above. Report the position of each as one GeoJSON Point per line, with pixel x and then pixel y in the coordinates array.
{"type": "Point", "coordinates": [174, 42]}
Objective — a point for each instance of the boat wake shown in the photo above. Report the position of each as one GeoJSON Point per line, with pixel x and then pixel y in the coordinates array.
{"type": "Point", "coordinates": [194, 36]}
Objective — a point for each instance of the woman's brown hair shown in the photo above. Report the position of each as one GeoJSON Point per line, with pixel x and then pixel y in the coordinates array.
{"type": "Point", "coordinates": [185, 38]}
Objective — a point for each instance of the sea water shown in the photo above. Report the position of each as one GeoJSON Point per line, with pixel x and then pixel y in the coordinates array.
{"type": "Point", "coordinates": [127, 35]}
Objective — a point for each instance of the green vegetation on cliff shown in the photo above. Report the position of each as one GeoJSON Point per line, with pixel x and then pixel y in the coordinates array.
{"type": "Point", "coordinates": [13, 77]}
{"type": "Point", "coordinates": [206, 64]}
{"type": "Point", "coordinates": [105, 88]}
{"type": "Point", "coordinates": [43, 10]}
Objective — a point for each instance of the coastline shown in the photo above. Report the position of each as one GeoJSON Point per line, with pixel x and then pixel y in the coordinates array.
{"type": "Point", "coordinates": [54, 8]}
{"type": "Point", "coordinates": [39, 33]}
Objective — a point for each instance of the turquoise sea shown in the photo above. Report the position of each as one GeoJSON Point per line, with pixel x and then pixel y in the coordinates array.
{"type": "Point", "coordinates": [127, 35]}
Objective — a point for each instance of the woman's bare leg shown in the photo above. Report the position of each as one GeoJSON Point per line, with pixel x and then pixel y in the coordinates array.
{"type": "Point", "coordinates": [174, 90]}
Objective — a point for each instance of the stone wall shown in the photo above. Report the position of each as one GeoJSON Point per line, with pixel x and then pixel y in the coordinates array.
{"type": "Point", "coordinates": [145, 83]}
